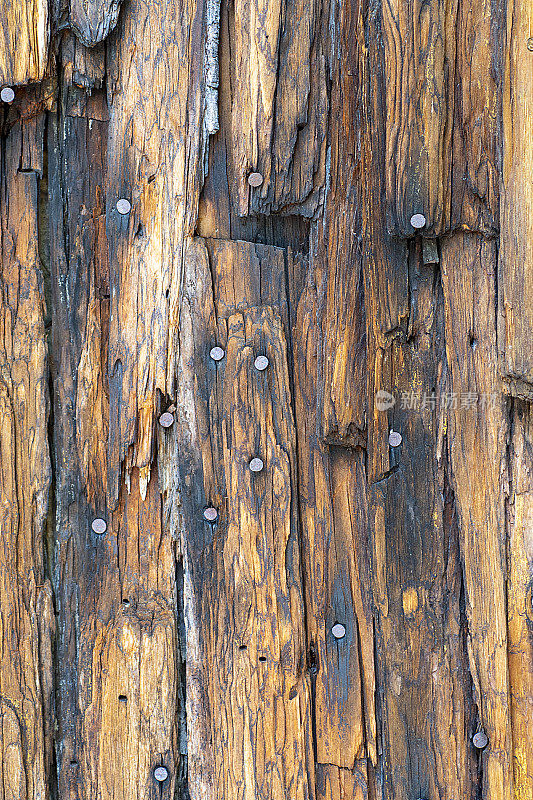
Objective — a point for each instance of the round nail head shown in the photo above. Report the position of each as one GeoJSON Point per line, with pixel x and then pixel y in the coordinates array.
{"type": "Point", "coordinates": [211, 514]}
{"type": "Point", "coordinates": [338, 631]}
{"type": "Point", "coordinates": [166, 419]}
{"type": "Point", "coordinates": [160, 774]}
{"type": "Point", "coordinates": [7, 94]}
{"type": "Point", "coordinates": [480, 740]}
{"type": "Point", "coordinates": [255, 179]}
{"type": "Point", "coordinates": [99, 525]}
{"type": "Point", "coordinates": [261, 363]}
{"type": "Point", "coordinates": [395, 439]}
{"type": "Point", "coordinates": [418, 221]}
{"type": "Point", "coordinates": [530, 44]}
{"type": "Point", "coordinates": [123, 206]}
{"type": "Point", "coordinates": [256, 465]}
{"type": "Point", "coordinates": [217, 353]}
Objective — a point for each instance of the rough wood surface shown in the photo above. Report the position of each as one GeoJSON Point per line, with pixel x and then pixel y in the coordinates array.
{"type": "Point", "coordinates": [515, 265]}
{"type": "Point", "coordinates": [24, 41]}
{"type": "Point", "coordinates": [206, 647]}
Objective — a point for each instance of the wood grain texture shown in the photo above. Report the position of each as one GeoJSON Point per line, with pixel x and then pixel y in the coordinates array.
{"type": "Point", "coordinates": [246, 645]}
{"type": "Point", "coordinates": [158, 126]}
{"type": "Point", "coordinates": [419, 41]}
{"type": "Point", "coordinates": [476, 434]}
{"type": "Point", "coordinates": [116, 594]}
{"type": "Point", "coordinates": [24, 41]}
{"type": "Point", "coordinates": [93, 21]}
{"type": "Point", "coordinates": [27, 614]}
{"type": "Point", "coordinates": [519, 596]}
{"type": "Point", "coordinates": [515, 265]}
{"type": "Point", "coordinates": [333, 511]}
{"type": "Point", "coordinates": [477, 126]}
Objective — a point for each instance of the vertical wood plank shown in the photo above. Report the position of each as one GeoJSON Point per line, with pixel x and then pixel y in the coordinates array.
{"type": "Point", "coordinates": [27, 615]}
{"type": "Point", "coordinates": [515, 265]}
{"type": "Point", "coordinates": [520, 596]}
{"type": "Point", "coordinates": [24, 40]}
{"type": "Point", "coordinates": [477, 435]}
{"type": "Point", "coordinates": [419, 41]}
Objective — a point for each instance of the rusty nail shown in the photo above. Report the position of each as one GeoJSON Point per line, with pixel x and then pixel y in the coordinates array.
{"type": "Point", "coordinates": [123, 206]}
{"type": "Point", "coordinates": [395, 439]}
{"type": "Point", "coordinates": [99, 525]}
{"type": "Point", "coordinates": [418, 220]}
{"type": "Point", "coordinates": [255, 179]}
{"type": "Point", "coordinates": [261, 363]}
{"type": "Point", "coordinates": [338, 631]}
{"type": "Point", "coordinates": [7, 94]}
{"type": "Point", "coordinates": [217, 353]}
{"type": "Point", "coordinates": [211, 514]}
{"type": "Point", "coordinates": [256, 465]}
{"type": "Point", "coordinates": [160, 774]}
{"type": "Point", "coordinates": [166, 419]}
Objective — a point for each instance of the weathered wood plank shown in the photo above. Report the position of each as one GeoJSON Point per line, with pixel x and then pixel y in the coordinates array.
{"type": "Point", "coordinates": [246, 655]}
{"type": "Point", "coordinates": [419, 42]}
{"type": "Point", "coordinates": [515, 264]}
{"type": "Point", "coordinates": [520, 596]}
{"type": "Point", "coordinates": [116, 592]}
{"type": "Point", "coordinates": [477, 126]}
{"type": "Point", "coordinates": [160, 116]}
{"type": "Point", "coordinates": [477, 435]}
{"type": "Point", "coordinates": [333, 511]}
{"type": "Point", "coordinates": [27, 615]}
{"type": "Point", "coordinates": [24, 40]}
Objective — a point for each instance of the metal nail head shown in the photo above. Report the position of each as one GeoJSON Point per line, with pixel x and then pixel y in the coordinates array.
{"type": "Point", "coordinates": [480, 740]}
{"type": "Point", "coordinates": [211, 514]}
{"type": "Point", "coordinates": [123, 206]}
{"type": "Point", "coordinates": [7, 94]}
{"type": "Point", "coordinates": [530, 44]}
{"type": "Point", "coordinates": [256, 465]}
{"type": "Point", "coordinates": [338, 631]}
{"type": "Point", "coordinates": [261, 363]}
{"type": "Point", "coordinates": [99, 525]}
{"type": "Point", "coordinates": [255, 179]}
{"type": "Point", "coordinates": [217, 353]}
{"type": "Point", "coordinates": [395, 439]}
{"type": "Point", "coordinates": [418, 221]}
{"type": "Point", "coordinates": [160, 774]}
{"type": "Point", "coordinates": [166, 419]}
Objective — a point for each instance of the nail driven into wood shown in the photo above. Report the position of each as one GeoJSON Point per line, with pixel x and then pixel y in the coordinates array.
{"type": "Point", "coordinates": [530, 44]}
{"type": "Point", "coordinates": [256, 465]}
{"type": "Point", "coordinates": [160, 774]}
{"type": "Point", "coordinates": [255, 179]}
{"type": "Point", "coordinates": [395, 439]}
{"type": "Point", "coordinates": [7, 94]}
{"type": "Point", "coordinates": [480, 740]}
{"type": "Point", "coordinates": [418, 221]}
{"type": "Point", "coordinates": [99, 526]}
{"type": "Point", "coordinates": [338, 631]}
{"type": "Point", "coordinates": [211, 514]}
{"type": "Point", "coordinates": [123, 206]}
{"type": "Point", "coordinates": [166, 419]}
{"type": "Point", "coordinates": [261, 363]}
{"type": "Point", "coordinates": [217, 353]}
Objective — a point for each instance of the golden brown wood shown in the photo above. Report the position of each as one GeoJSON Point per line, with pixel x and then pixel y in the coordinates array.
{"type": "Point", "coordinates": [26, 617]}
{"type": "Point", "coordinates": [242, 175]}
{"type": "Point", "coordinates": [515, 265]}
{"type": "Point", "coordinates": [24, 41]}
